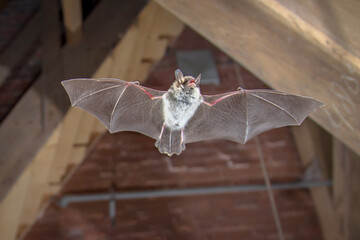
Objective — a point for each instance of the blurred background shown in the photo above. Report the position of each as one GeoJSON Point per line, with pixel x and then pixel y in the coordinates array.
{"type": "Point", "coordinates": [63, 176]}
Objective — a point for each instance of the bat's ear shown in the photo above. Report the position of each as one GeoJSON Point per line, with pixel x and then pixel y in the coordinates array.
{"type": "Point", "coordinates": [178, 75]}
{"type": "Point", "coordinates": [197, 80]}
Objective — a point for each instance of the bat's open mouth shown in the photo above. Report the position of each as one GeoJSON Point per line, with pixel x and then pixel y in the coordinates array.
{"type": "Point", "coordinates": [191, 83]}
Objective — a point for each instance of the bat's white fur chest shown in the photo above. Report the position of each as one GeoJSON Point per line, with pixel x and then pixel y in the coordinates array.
{"type": "Point", "coordinates": [179, 107]}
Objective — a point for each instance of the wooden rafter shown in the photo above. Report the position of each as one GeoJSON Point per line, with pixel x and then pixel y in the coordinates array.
{"type": "Point", "coordinates": [346, 190]}
{"type": "Point", "coordinates": [72, 19]}
{"type": "Point", "coordinates": [314, 154]}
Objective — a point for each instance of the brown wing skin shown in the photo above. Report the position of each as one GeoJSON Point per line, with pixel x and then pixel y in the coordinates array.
{"type": "Point", "coordinates": [119, 105]}
{"type": "Point", "coordinates": [241, 115]}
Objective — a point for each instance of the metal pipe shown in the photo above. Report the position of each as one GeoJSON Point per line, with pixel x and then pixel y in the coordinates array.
{"type": "Point", "coordinates": [65, 200]}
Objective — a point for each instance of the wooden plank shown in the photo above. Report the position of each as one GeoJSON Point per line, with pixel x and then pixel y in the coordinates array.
{"type": "Point", "coordinates": [346, 191]}
{"type": "Point", "coordinates": [277, 49]}
{"type": "Point", "coordinates": [340, 184]}
{"type": "Point", "coordinates": [354, 196]}
{"type": "Point", "coordinates": [313, 145]}
{"type": "Point", "coordinates": [72, 13]}
{"type": "Point", "coordinates": [118, 66]}
{"type": "Point", "coordinates": [37, 190]}
{"type": "Point", "coordinates": [330, 19]}
{"type": "Point", "coordinates": [84, 138]}
{"type": "Point", "coordinates": [70, 124]}
{"type": "Point", "coordinates": [145, 26]}
{"type": "Point", "coordinates": [11, 208]}
{"type": "Point", "coordinates": [19, 47]}
{"type": "Point", "coordinates": [79, 59]}
{"type": "Point", "coordinates": [326, 214]}
{"type": "Point", "coordinates": [51, 45]}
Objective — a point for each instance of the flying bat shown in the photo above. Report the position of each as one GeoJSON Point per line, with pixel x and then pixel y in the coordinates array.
{"type": "Point", "coordinates": [182, 114]}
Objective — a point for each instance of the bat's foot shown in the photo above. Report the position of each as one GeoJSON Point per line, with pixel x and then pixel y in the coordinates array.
{"type": "Point", "coordinates": [166, 149]}
{"type": "Point", "coordinates": [170, 142]}
{"type": "Point", "coordinates": [240, 89]}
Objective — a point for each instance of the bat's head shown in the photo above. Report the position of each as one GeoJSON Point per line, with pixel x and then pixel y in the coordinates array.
{"type": "Point", "coordinates": [186, 82]}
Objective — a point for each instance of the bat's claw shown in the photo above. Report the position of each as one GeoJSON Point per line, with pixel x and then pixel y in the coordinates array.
{"type": "Point", "coordinates": [135, 82]}
{"type": "Point", "coordinates": [240, 89]}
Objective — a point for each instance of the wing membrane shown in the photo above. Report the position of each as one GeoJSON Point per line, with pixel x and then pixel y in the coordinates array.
{"type": "Point", "coordinates": [241, 115]}
{"type": "Point", "coordinates": [119, 105]}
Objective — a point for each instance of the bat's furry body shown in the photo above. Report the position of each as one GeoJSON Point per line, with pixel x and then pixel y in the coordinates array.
{"type": "Point", "coordinates": [180, 105]}
{"type": "Point", "coordinates": [182, 115]}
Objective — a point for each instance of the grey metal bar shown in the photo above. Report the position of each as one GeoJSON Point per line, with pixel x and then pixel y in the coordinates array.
{"type": "Point", "coordinates": [65, 200]}
{"type": "Point", "coordinates": [112, 211]}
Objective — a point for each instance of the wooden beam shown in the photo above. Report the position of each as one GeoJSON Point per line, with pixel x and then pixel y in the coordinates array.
{"type": "Point", "coordinates": [313, 145]}
{"type": "Point", "coordinates": [86, 135]}
{"type": "Point", "coordinates": [346, 190]}
{"type": "Point", "coordinates": [327, 23]}
{"type": "Point", "coordinates": [36, 193]}
{"type": "Point", "coordinates": [69, 130]}
{"type": "Point", "coordinates": [289, 52]}
{"type": "Point", "coordinates": [72, 13]}
{"type": "Point", "coordinates": [11, 208]}
{"type": "Point", "coordinates": [79, 60]}
{"type": "Point", "coordinates": [14, 54]}
{"type": "Point", "coordinates": [52, 64]}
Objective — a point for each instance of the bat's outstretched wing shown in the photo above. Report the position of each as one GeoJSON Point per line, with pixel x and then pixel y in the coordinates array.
{"type": "Point", "coordinates": [119, 105]}
{"type": "Point", "coordinates": [241, 115]}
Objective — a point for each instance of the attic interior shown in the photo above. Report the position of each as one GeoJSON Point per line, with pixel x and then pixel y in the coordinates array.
{"type": "Point", "coordinates": [63, 176]}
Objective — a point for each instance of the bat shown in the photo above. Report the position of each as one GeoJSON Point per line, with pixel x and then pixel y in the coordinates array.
{"type": "Point", "coordinates": [182, 115]}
